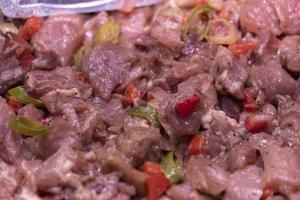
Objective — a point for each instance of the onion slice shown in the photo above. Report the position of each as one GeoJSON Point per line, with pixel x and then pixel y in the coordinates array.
{"type": "Point", "coordinates": [221, 32]}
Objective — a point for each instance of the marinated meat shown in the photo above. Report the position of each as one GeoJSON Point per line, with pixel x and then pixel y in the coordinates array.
{"type": "Point", "coordinates": [106, 67]}
{"type": "Point", "coordinates": [289, 48]}
{"type": "Point", "coordinates": [245, 184]}
{"type": "Point", "coordinates": [206, 177]}
{"type": "Point", "coordinates": [60, 34]}
{"type": "Point", "coordinates": [272, 79]}
{"type": "Point", "coordinates": [258, 16]}
{"type": "Point", "coordinates": [156, 103]}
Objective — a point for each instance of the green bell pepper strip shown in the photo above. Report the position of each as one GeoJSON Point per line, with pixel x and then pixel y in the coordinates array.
{"type": "Point", "coordinates": [146, 113]}
{"type": "Point", "coordinates": [22, 96]}
{"type": "Point", "coordinates": [172, 168]}
{"type": "Point", "coordinates": [28, 127]}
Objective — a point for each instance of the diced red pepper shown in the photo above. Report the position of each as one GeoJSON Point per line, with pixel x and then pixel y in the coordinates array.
{"type": "Point", "coordinates": [201, 3]}
{"type": "Point", "coordinates": [224, 15]}
{"type": "Point", "coordinates": [81, 78]}
{"type": "Point", "coordinates": [31, 27]}
{"type": "Point", "coordinates": [46, 121]}
{"type": "Point", "coordinates": [241, 48]}
{"type": "Point", "coordinates": [255, 125]}
{"type": "Point", "coordinates": [249, 101]}
{"type": "Point", "coordinates": [26, 61]}
{"type": "Point", "coordinates": [196, 145]}
{"type": "Point", "coordinates": [128, 6]}
{"type": "Point", "coordinates": [151, 168]}
{"type": "Point", "coordinates": [13, 103]}
{"type": "Point", "coordinates": [268, 192]}
{"type": "Point", "coordinates": [156, 186]}
{"type": "Point", "coordinates": [131, 93]}
{"type": "Point", "coordinates": [150, 97]}
{"type": "Point", "coordinates": [186, 107]}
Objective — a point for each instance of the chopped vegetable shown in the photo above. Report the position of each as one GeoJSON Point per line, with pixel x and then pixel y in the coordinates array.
{"type": "Point", "coordinates": [196, 145]}
{"type": "Point", "coordinates": [78, 56]}
{"type": "Point", "coordinates": [171, 168]}
{"type": "Point", "coordinates": [31, 27]}
{"type": "Point", "coordinates": [131, 93]}
{"type": "Point", "coordinates": [128, 6]}
{"type": "Point", "coordinates": [6, 27]}
{"type": "Point", "coordinates": [151, 168]}
{"type": "Point", "coordinates": [268, 192]}
{"type": "Point", "coordinates": [146, 113]}
{"type": "Point", "coordinates": [81, 78]}
{"type": "Point", "coordinates": [186, 107]}
{"type": "Point", "coordinates": [26, 61]}
{"type": "Point", "coordinates": [201, 3]}
{"type": "Point", "coordinates": [249, 101]}
{"type": "Point", "coordinates": [254, 124]}
{"type": "Point", "coordinates": [241, 48]}
{"type": "Point", "coordinates": [22, 96]}
{"type": "Point", "coordinates": [46, 121]}
{"type": "Point", "coordinates": [28, 127]}
{"type": "Point", "coordinates": [222, 32]}
{"type": "Point", "coordinates": [199, 10]}
{"type": "Point", "coordinates": [13, 103]}
{"type": "Point", "coordinates": [108, 32]}
{"type": "Point", "coordinates": [156, 185]}
{"type": "Point", "coordinates": [224, 15]}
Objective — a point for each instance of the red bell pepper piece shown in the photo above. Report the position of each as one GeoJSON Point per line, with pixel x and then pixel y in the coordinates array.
{"type": "Point", "coordinates": [224, 15]}
{"type": "Point", "coordinates": [268, 192]}
{"type": "Point", "coordinates": [128, 6]}
{"type": "Point", "coordinates": [131, 93]}
{"type": "Point", "coordinates": [156, 185]}
{"type": "Point", "coordinates": [201, 3]}
{"type": "Point", "coordinates": [249, 101]}
{"type": "Point", "coordinates": [31, 27]}
{"type": "Point", "coordinates": [13, 103]}
{"type": "Point", "coordinates": [255, 125]}
{"type": "Point", "coordinates": [241, 48]}
{"type": "Point", "coordinates": [46, 121]}
{"type": "Point", "coordinates": [186, 107]}
{"type": "Point", "coordinates": [81, 78]}
{"type": "Point", "coordinates": [196, 145]}
{"type": "Point", "coordinates": [26, 61]}
{"type": "Point", "coordinates": [151, 168]}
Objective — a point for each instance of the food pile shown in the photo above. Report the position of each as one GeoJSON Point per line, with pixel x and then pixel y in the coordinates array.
{"type": "Point", "coordinates": [184, 100]}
